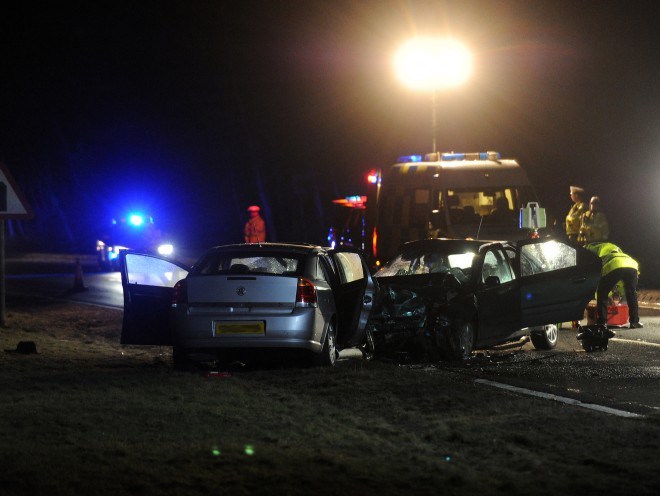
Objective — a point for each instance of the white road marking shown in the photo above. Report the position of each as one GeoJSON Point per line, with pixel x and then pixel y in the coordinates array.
{"type": "Point", "coordinates": [646, 343]}
{"type": "Point", "coordinates": [561, 399]}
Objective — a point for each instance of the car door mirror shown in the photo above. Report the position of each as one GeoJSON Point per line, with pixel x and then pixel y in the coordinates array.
{"type": "Point", "coordinates": [492, 281]}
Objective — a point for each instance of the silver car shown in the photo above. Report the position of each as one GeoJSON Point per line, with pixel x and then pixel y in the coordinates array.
{"type": "Point", "coordinates": [248, 296]}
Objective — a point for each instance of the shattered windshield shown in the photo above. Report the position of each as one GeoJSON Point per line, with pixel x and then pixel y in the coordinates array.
{"type": "Point", "coordinates": [428, 263]}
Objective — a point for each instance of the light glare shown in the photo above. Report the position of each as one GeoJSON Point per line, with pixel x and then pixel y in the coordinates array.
{"type": "Point", "coordinates": [433, 64]}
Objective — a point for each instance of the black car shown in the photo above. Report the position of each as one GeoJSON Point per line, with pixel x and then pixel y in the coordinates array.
{"type": "Point", "coordinates": [444, 298]}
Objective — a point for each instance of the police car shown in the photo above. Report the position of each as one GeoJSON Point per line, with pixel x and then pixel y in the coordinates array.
{"type": "Point", "coordinates": [134, 231]}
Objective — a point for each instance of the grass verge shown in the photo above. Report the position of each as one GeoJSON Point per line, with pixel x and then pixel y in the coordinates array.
{"type": "Point", "coordinates": [88, 416]}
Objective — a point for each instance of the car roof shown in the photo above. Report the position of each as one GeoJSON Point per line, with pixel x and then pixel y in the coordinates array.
{"type": "Point", "coordinates": [442, 244]}
{"type": "Point", "coordinates": [303, 248]}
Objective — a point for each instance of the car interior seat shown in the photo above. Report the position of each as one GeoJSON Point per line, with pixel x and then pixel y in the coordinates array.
{"type": "Point", "coordinates": [239, 269]}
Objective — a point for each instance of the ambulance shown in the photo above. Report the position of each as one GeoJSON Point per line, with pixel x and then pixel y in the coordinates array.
{"type": "Point", "coordinates": [446, 195]}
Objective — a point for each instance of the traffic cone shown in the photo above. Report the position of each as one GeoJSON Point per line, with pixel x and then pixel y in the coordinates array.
{"type": "Point", "coordinates": [78, 283]}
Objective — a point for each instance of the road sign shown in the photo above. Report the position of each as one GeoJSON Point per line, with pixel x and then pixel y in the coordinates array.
{"type": "Point", "coordinates": [12, 202]}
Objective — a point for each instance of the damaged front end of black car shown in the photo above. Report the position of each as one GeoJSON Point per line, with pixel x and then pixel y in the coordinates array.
{"type": "Point", "coordinates": [440, 299]}
{"type": "Point", "coordinates": [424, 317]}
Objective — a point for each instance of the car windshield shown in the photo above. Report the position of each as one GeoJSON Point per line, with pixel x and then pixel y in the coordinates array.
{"type": "Point", "coordinates": [428, 262]}
{"type": "Point", "coordinates": [288, 264]}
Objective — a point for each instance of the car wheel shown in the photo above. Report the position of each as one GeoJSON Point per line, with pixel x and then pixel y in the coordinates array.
{"type": "Point", "coordinates": [544, 338]}
{"type": "Point", "coordinates": [459, 341]}
{"type": "Point", "coordinates": [328, 355]}
{"type": "Point", "coordinates": [368, 347]}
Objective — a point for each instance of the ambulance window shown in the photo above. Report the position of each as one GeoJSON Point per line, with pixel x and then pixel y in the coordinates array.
{"type": "Point", "coordinates": [454, 206]}
{"type": "Point", "coordinates": [419, 209]}
{"type": "Point", "coordinates": [437, 216]}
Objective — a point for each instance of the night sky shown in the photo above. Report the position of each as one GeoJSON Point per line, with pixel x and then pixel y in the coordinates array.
{"type": "Point", "coordinates": [195, 110]}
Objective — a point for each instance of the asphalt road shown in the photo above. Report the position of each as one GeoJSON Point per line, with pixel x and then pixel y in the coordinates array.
{"type": "Point", "coordinates": [625, 377]}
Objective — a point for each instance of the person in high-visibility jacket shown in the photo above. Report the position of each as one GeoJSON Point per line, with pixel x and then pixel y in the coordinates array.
{"type": "Point", "coordinates": [255, 227]}
{"type": "Point", "coordinates": [574, 217]}
{"type": "Point", "coordinates": [594, 226]}
{"type": "Point", "coordinates": [617, 266]}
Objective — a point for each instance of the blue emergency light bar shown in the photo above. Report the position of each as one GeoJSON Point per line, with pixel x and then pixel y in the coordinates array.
{"type": "Point", "coordinates": [410, 158]}
{"type": "Point", "coordinates": [471, 156]}
{"type": "Point", "coordinates": [451, 156]}
{"type": "Point", "coordinates": [136, 220]}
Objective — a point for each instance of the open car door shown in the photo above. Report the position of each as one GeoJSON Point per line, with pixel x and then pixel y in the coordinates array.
{"type": "Point", "coordinates": [354, 296]}
{"type": "Point", "coordinates": [557, 278]}
{"type": "Point", "coordinates": [498, 293]}
{"type": "Point", "coordinates": [148, 283]}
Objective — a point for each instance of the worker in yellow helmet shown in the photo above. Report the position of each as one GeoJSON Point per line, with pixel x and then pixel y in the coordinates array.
{"type": "Point", "coordinates": [617, 266]}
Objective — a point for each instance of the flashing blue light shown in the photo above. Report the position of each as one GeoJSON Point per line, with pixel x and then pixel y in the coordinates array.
{"type": "Point", "coordinates": [410, 158]}
{"type": "Point", "coordinates": [136, 220]}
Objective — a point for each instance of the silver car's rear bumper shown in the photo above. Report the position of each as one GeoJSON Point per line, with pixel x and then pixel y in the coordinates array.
{"type": "Point", "coordinates": [301, 328]}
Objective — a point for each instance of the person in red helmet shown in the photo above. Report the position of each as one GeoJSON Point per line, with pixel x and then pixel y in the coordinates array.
{"type": "Point", "coordinates": [255, 227]}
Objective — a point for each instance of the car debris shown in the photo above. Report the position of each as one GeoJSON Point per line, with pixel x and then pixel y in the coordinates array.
{"type": "Point", "coordinates": [594, 337]}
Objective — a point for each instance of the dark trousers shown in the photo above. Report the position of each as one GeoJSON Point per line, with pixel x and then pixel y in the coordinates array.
{"type": "Point", "coordinates": [629, 278]}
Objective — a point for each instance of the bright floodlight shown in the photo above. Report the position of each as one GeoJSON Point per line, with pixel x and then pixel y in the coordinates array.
{"type": "Point", "coordinates": [433, 64]}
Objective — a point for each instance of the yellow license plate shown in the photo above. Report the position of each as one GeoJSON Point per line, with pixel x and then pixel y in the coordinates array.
{"type": "Point", "coordinates": [248, 327]}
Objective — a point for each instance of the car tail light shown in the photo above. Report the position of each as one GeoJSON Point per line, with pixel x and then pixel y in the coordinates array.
{"type": "Point", "coordinates": [306, 293]}
{"type": "Point", "coordinates": [180, 293]}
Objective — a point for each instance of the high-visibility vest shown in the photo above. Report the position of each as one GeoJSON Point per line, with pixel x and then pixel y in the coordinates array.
{"type": "Point", "coordinates": [612, 257]}
{"type": "Point", "coordinates": [255, 230]}
{"type": "Point", "coordinates": [574, 218]}
{"type": "Point", "coordinates": [594, 228]}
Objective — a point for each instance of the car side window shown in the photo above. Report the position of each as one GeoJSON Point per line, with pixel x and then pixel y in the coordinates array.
{"type": "Point", "coordinates": [320, 271]}
{"type": "Point", "coordinates": [546, 257]}
{"type": "Point", "coordinates": [511, 256]}
{"type": "Point", "coordinates": [152, 271]}
{"type": "Point", "coordinates": [496, 264]}
{"type": "Point", "coordinates": [325, 265]}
